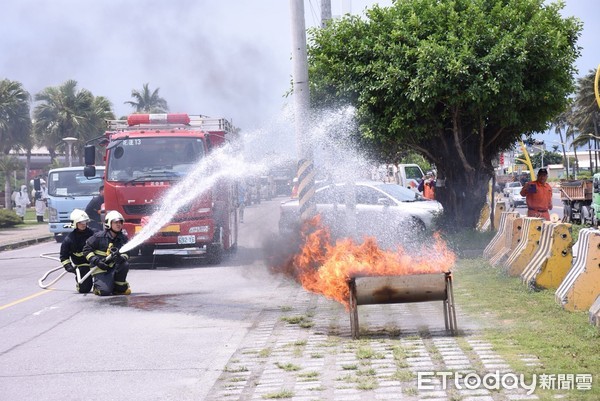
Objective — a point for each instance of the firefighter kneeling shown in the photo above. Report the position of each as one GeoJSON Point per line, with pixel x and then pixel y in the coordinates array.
{"type": "Point", "coordinates": [71, 250]}
{"type": "Point", "coordinates": [101, 251]}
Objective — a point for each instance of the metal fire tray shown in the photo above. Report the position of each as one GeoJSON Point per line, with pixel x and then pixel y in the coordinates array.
{"type": "Point", "coordinates": [370, 290]}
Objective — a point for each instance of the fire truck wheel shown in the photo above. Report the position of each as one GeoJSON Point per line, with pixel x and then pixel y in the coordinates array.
{"type": "Point", "coordinates": [147, 250]}
{"type": "Point", "coordinates": [214, 253]}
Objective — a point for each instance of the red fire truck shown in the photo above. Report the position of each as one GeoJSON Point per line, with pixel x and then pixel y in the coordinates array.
{"type": "Point", "coordinates": [146, 155]}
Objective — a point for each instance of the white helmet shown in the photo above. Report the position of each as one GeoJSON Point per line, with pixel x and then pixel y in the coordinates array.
{"type": "Point", "coordinates": [78, 216]}
{"type": "Point", "coordinates": [112, 216]}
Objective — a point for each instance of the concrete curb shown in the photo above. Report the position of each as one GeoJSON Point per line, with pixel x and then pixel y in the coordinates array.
{"type": "Point", "coordinates": [24, 243]}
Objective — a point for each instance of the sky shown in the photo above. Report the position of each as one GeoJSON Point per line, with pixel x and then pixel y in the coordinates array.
{"type": "Point", "coordinates": [221, 58]}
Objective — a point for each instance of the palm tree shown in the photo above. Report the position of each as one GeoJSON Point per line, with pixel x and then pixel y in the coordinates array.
{"type": "Point", "coordinates": [15, 122]}
{"type": "Point", "coordinates": [147, 101]}
{"type": "Point", "coordinates": [560, 123]}
{"type": "Point", "coordinates": [585, 112]}
{"type": "Point", "coordinates": [65, 111]}
{"type": "Point", "coordinates": [8, 164]}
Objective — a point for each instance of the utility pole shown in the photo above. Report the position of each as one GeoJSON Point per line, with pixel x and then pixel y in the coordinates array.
{"type": "Point", "coordinates": [325, 12]}
{"type": "Point", "coordinates": [306, 172]}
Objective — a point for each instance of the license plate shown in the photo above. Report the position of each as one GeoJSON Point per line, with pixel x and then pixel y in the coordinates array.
{"type": "Point", "coordinates": [186, 239]}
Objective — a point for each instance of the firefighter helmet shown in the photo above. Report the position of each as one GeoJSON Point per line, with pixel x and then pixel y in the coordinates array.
{"type": "Point", "coordinates": [78, 216]}
{"type": "Point", "coordinates": [111, 216]}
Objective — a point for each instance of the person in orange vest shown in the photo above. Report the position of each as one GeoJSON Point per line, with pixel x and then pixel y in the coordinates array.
{"type": "Point", "coordinates": [427, 186]}
{"type": "Point", "coordinates": [538, 196]}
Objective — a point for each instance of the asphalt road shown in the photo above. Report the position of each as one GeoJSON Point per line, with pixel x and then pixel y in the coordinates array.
{"type": "Point", "coordinates": [169, 340]}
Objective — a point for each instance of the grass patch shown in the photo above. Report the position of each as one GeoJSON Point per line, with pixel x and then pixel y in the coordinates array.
{"type": "Point", "coordinates": [279, 394]}
{"type": "Point", "coordinates": [309, 376]}
{"type": "Point", "coordinates": [518, 321]}
{"type": "Point", "coordinates": [264, 353]}
{"type": "Point", "coordinates": [403, 375]}
{"type": "Point", "coordinates": [235, 369]}
{"type": "Point", "coordinates": [288, 367]}
{"type": "Point", "coordinates": [366, 383]}
{"type": "Point", "coordinates": [366, 372]}
{"type": "Point", "coordinates": [303, 321]}
{"type": "Point", "coordinates": [317, 355]}
{"type": "Point", "coordinates": [349, 367]}
{"type": "Point", "coordinates": [366, 352]}
{"type": "Point", "coordinates": [412, 391]}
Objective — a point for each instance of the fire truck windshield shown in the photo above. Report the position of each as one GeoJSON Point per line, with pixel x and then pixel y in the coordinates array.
{"type": "Point", "coordinates": [149, 159]}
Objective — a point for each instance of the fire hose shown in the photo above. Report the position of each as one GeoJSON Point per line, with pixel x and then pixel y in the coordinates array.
{"type": "Point", "coordinates": [113, 253]}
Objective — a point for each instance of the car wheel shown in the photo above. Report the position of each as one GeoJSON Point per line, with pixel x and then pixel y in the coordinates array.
{"type": "Point", "coordinates": [567, 214]}
{"type": "Point", "coordinates": [416, 225]}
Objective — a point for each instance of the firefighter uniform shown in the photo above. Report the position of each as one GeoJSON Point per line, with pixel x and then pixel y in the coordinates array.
{"type": "Point", "coordinates": [72, 256]}
{"type": "Point", "coordinates": [113, 279]}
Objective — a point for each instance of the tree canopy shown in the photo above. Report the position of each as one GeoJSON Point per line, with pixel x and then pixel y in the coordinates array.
{"type": "Point", "coordinates": [66, 111]}
{"type": "Point", "coordinates": [15, 122]}
{"type": "Point", "coordinates": [455, 80]}
{"type": "Point", "coordinates": [147, 101]}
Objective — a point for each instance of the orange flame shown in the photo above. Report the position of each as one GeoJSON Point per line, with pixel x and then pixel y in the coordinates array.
{"type": "Point", "coordinates": [325, 268]}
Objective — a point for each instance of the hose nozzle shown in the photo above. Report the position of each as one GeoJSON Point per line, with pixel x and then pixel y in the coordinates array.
{"type": "Point", "coordinates": [114, 251]}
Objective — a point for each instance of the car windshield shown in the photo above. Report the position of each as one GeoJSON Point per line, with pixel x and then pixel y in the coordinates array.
{"type": "Point", "coordinates": [74, 183]}
{"type": "Point", "coordinates": [400, 193]}
{"type": "Point", "coordinates": [149, 159]}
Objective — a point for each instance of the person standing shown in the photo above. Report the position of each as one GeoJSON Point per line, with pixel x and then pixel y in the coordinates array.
{"type": "Point", "coordinates": [427, 186]}
{"type": "Point", "coordinates": [40, 197]}
{"type": "Point", "coordinates": [538, 196]}
{"type": "Point", "coordinates": [71, 250]}
{"type": "Point", "coordinates": [111, 277]}
{"type": "Point", "coordinates": [94, 208]}
{"type": "Point", "coordinates": [22, 201]}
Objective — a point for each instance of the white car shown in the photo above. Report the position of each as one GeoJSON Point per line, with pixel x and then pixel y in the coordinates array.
{"type": "Point", "coordinates": [515, 198]}
{"type": "Point", "coordinates": [509, 186]}
{"type": "Point", "coordinates": [383, 210]}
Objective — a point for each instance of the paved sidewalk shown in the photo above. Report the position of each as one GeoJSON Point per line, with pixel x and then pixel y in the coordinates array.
{"type": "Point", "coordinates": [13, 238]}
{"type": "Point", "coordinates": [303, 351]}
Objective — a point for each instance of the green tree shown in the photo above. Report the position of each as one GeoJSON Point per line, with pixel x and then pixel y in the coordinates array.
{"type": "Point", "coordinates": [147, 101]}
{"type": "Point", "coordinates": [458, 81]}
{"type": "Point", "coordinates": [65, 111]}
{"type": "Point", "coordinates": [585, 115]}
{"type": "Point", "coordinates": [15, 121]}
{"type": "Point", "coordinates": [8, 164]}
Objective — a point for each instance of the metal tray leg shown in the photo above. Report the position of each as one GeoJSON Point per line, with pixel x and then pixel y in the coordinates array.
{"type": "Point", "coordinates": [353, 311]}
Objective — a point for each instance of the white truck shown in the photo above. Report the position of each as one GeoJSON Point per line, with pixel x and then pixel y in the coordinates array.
{"type": "Point", "coordinates": [407, 175]}
{"type": "Point", "coordinates": [68, 189]}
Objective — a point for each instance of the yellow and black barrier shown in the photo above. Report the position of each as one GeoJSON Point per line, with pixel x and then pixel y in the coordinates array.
{"type": "Point", "coordinates": [483, 224]}
{"type": "Point", "coordinates": [498, 210]}
{"type": "Point", "coordinates": [581, 286]}
{"type": "Point", "coordinates": [511, 240]}
{"type": "Point", "coordinates": [528, 244]}
{"type": "Point", "coordinates": [497, 243]}
{"type": "Point", "coordinates": [553, 258]}
{"type": "Point", "coordinates": [485, 217]}
{"type": "Point", "coordinates": [595, 312]}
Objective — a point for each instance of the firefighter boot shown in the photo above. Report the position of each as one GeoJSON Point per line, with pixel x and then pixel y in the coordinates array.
{"type": "Point", "coordinates": [121, 288]}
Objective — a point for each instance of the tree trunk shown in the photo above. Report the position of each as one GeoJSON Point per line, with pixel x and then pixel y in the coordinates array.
{"type": "Point", "coordinates": [463, 196]}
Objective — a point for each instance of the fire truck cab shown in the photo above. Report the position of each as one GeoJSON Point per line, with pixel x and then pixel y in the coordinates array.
{"type": "Point", "coordinates": [146, 156]}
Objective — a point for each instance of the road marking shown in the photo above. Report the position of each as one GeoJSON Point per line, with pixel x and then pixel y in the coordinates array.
{"type": "Point", "coordinates": [18, 301]}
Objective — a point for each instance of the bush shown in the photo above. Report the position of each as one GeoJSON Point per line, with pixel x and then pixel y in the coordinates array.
{"type": "Point", "coordinates": [8, 218]}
